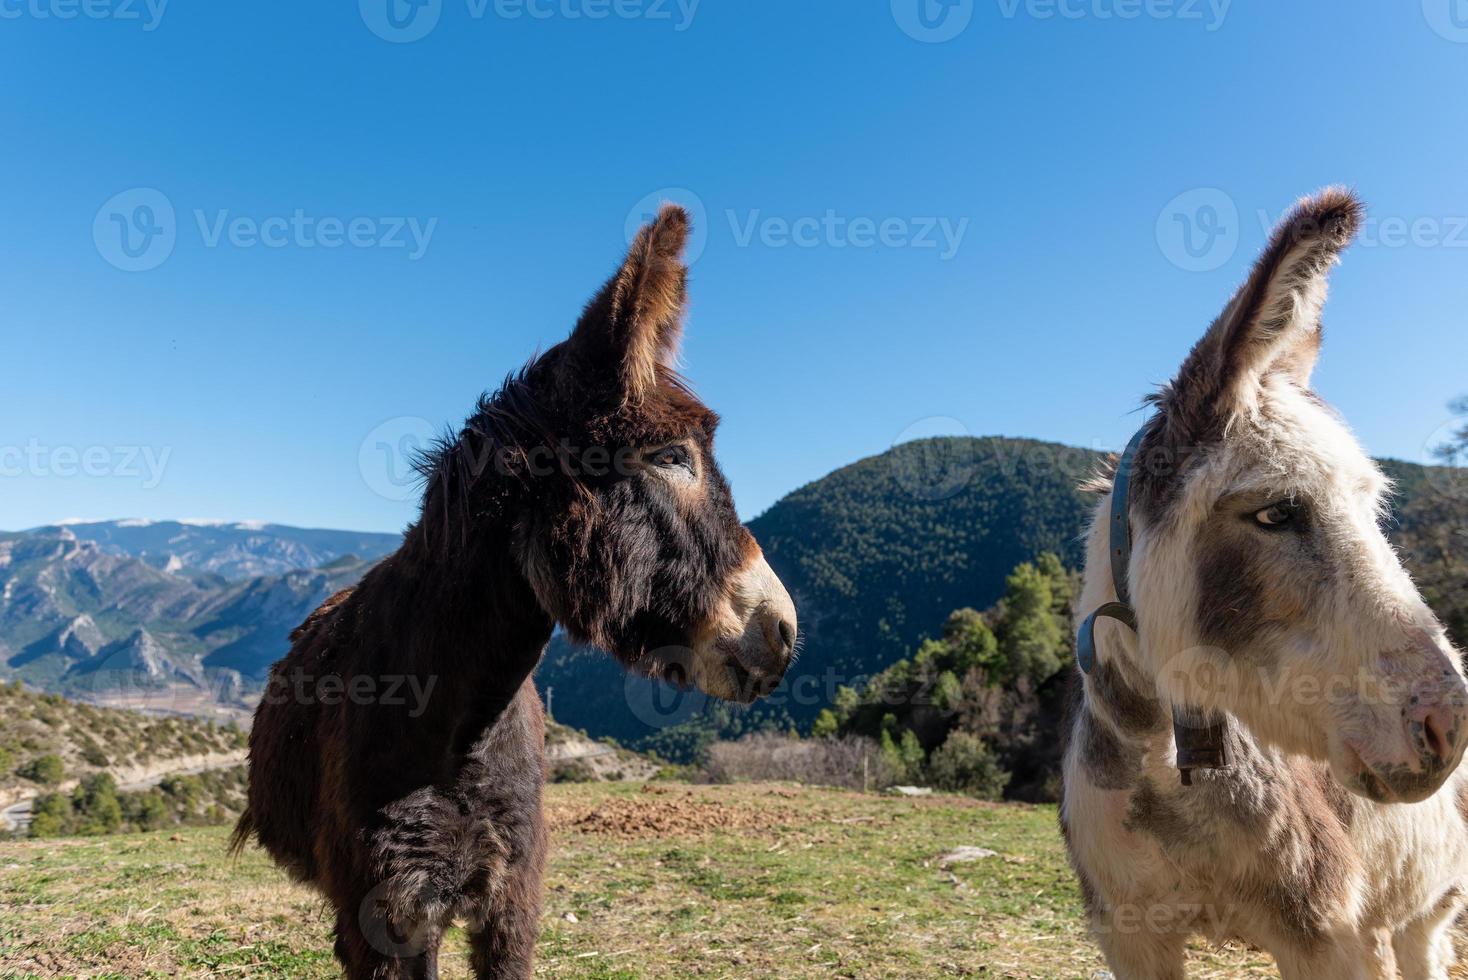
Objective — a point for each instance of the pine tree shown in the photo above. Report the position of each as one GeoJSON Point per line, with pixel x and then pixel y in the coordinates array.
{"type": "Point", "coordinates": [1031, 636]}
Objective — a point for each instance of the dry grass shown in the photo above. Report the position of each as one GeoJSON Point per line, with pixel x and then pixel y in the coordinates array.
{"type": "Point", "coordinates": [657, 882]}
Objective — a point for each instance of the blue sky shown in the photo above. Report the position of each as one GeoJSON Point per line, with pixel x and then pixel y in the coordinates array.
{"type": "Point", "coordinates": [975, 225]}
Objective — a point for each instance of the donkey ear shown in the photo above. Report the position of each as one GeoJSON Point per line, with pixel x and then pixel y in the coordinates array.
{"type": "Point", "coordinates": [1272, 324]}
{"type": "Point", "coordinates": [634, 323]}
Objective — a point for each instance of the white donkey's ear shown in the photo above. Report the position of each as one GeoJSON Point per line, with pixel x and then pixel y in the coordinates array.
{"type": "Point", "coordinates": [1272, 324]}
{"type": "Point", "coordinates": [635, 322]}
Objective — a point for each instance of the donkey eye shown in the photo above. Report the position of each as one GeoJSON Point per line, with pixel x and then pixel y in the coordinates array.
{"type": "Point", "coordinates": [670, 456]}
{"type": "Point", "coordinates": [1278, 515]}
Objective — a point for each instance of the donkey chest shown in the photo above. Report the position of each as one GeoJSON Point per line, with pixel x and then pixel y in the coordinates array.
{"type": "Point", "coordinates": [1255, 843]}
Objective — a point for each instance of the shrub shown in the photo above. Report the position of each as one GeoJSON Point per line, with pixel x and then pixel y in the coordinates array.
{"type": "Point", "coordinates": [96, 805]}
{"type": "Point", "coordinates": [147, 810]}
{"type": "Point", "coordinates": [184, 791]}
{"type": "Point", "coordinates": [948, 692]}
{"type": "Point", "coordinates": [826, 724]}
{"type": "Point", "coordinates": [964, 764]}
{"type": "Point", "coordinates": [572, 771]}
{"type": "Point", "coordinates": [48, 770]}
{"type": "Point", "coordinates": [50, 816]}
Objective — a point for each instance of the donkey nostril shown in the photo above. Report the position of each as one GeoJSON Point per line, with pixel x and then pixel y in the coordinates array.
{"type": "Point", "coordinates": [787, 636]}
{"type": "Point", "coordinates": [1435, 733]}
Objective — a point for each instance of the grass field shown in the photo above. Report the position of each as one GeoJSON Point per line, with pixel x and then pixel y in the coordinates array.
{"type": "Point", "coordinates": [660, 881]}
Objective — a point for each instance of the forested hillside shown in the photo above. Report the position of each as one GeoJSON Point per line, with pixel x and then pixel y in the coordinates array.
{"type": "Point", "coordinates": [879, 553]}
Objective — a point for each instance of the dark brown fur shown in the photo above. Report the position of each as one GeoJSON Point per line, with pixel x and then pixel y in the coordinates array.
{"type": "Point", "coordinates": [406, 820]}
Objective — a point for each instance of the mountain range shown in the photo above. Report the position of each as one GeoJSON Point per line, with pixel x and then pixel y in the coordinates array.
{"type": "Point", "coordinates": [875, 554]}
{"type": "Point", "coordinates": [86, 618]}
{"type": "Point", "coordinates": [234, 551]}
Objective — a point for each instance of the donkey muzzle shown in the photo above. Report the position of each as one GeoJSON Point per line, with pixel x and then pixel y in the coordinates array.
{"type": "Point", "coordinates": [754, 637]}
{"type": "Point", "coordinates": [1410, 760]}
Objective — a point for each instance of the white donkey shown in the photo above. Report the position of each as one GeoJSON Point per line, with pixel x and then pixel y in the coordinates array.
{"type": "Point", "coordinates": [1271, 613]}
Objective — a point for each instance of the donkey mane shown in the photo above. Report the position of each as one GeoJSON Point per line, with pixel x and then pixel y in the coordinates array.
{"type": "Point", "coordinates": [511, 421]}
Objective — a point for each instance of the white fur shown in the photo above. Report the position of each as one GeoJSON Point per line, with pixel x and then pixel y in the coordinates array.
{"type": "Point", "coordinates": [1404, 863]}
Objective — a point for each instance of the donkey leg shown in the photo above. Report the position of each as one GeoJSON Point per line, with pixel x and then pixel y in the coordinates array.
{"type": "Point", "coordinates": [503, 942]}
{"type": "Point", "coordinates": [1333, 958]}
{"type": "Point", "coordinates": [1425, 945]}
{"type": "Point", "coordinates": [503, 946]}
{"type": "Point", "coordinates": [1141, 954]}
{"type": "Point", "coordinates": [352, 950]}
{"type": "Point", "coordinates": [370, 946]}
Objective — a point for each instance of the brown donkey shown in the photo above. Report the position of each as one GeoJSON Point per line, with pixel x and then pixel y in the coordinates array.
{"type": "Point", "coordinates": [583, 493]}
{"type": "Point", "coordinates": [1270, 637]}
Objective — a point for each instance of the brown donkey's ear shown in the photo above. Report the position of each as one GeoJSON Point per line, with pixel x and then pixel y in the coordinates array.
{"type": "Point", "coordinates": [634, 323]}
{"type": "Point", "coordinates": [1272, 325]}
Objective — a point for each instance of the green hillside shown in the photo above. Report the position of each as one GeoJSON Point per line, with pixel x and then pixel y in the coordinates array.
{"type": "Point", "coordinates": [68, 767]}
{"type": "Point", "coordinates": [880, 552]}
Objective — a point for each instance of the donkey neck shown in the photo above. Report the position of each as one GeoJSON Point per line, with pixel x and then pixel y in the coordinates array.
{"type": "Point", "coordinates": [453, 607]}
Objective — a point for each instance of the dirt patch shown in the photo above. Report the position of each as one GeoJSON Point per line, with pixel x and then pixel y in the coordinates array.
{"type": "Point", "coordinates": [669, 816]}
